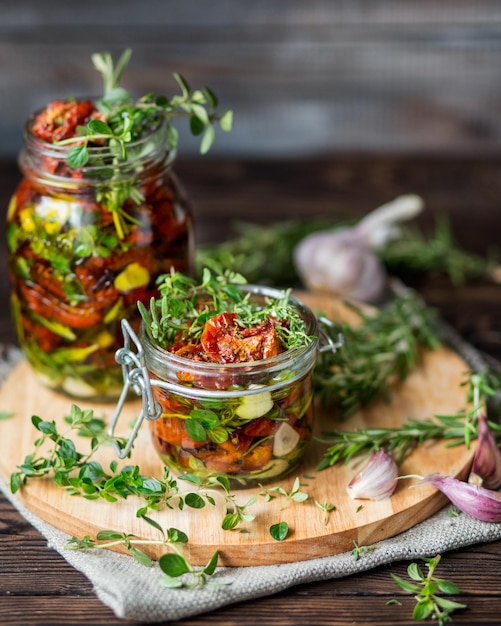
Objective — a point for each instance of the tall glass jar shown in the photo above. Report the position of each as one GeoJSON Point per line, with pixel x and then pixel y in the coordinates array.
{"type": "Point", "coordinates": [84, 246]}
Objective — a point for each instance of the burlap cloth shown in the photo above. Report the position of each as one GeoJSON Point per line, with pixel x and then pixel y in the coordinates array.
{"type": "Point", "coordinates": [133, 592]}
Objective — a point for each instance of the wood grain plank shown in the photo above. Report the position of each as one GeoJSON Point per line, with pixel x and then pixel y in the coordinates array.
{"type": "Point", "coordinates": [380, 75]}
{"type": "Point", "coordinates": [434, 387]}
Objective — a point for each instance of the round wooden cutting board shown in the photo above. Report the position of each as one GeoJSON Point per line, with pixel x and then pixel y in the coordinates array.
{"type": "Point", "coordinates": [433, 388]}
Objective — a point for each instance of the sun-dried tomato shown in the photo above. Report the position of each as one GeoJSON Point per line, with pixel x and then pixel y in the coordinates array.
{"type": "Point", "coordinates": [60, 119]}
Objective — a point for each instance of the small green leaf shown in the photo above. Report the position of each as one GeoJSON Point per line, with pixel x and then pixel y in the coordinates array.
{"type": "Point", "coordinates": [279, 531]}
{"type": "Point", "coordinates": [196, 125]}
{"type": "Point", "coordinates": [35, 420]}
{"type": "Point", "coordinates": [230, 521]}
{"type": "Point", "coordinates": [47, 428]}
{"type": "Point", "coordinates": [177, 536]}
{"type": "Point", "coordinates": [447, 604]}
{"type": "Point", "coordinates": [15, 482]}
{"type": "Point", "coordinates": [226, 121]}
{"type": "Point", "coordinates": [208, 418]}
{"type": "Point", "coordinates": [195, 430]}
{"type": "Point", "coordinates": [173, 565]}
{"type": "Point", "coordinates": [78, 156]}
{"type": "Point", "coordinates": [194, 501]}
{"type": "Point", "coordinates": [207, 140]}
{"type": "Point", "coordinates": [210, 568]}
{"type": "Point", "coordinates": [446, 586]}
{"type": "Point", "coordinates": [183, 83]}
{"type": "Point", "coordinates": [191, 478]}
{"type": "Point", "coordinates": [404, 584]}
{"type": "Point", "coordinates": [300, 496]}
{"type": "Point", "coordinates": [170, 583]}
{"type": "Point", "coordinates": [152, 522]}
{"type": "Point", "coordinates": [100, 127]}
{"type": "Point", "coordinates": [224, 482]}
{"type": "Point", "coordinates": [199, 111]}
{"type": "Point", "coordinates": [5, 415]}
{"type": "Point", "coordinates": [219, 434]}
{"type": "Point", "coordinates": [162, 101]}
{"type": "Point", "coordinates": [422, 610]}
{"type": "Point", "coordinates": [415, 572]}
{"type": "Point", "coordinates": [107, 535]}
{"type": "Point", "coordinates": [140, 556]}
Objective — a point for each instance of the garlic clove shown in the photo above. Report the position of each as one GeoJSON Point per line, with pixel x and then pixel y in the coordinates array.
{"type": "Point", "coordinates": [474, 500]}
{"type": "Point", "coordinates": [486, 469]}
{"type": "Point", "coordinates": [376, 480]}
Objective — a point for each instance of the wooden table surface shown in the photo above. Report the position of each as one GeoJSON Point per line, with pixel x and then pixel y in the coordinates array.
{"type": "Point", "coordinates": [38, 587]}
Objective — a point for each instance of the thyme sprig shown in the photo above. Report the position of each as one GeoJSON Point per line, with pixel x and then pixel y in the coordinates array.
{"type": "Point", "coordinates": [426, 589]}
{"type": "Point", "coordinates": [384, 347]}
{"type": "Point", "coordinates": [455, 430]}
{"type": "Point", "coordinates": [56, 456]}
{"type": "Point", "coordinates": [177, 570]}
{"type": "Point", "coordinates": [184, 307]}
{"type": "Point", "coordinates": [128, 119]}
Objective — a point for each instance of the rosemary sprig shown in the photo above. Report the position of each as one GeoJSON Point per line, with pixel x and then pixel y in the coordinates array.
{"type": "Point", "coordinates": [383, 348]}
{"type": "Point", "coordinates": [265, 253]}
{"type": "Point", "coordinates": [413, 254]}
{"type": "Point", "coordinates": [453, 429]}
{"type": "Point", "coordinates": [262, 253]}
{"type": "Point", "coordinates": [426, 589]}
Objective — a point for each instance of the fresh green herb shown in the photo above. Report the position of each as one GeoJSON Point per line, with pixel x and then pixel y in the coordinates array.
{"type": "Point", "coordinates": [327, 508]}
{"type": "Point", "coordinates": [183, 309]}
{"type": "Point", "coordinates": [400, 440]}
{"type": "Point", "coordinates": [265, 253]}
{"type": "Point", "coordinates": [384, 347]}
{"type": "Point", "coordinates": [79, 474]}
{"type": "Point", "coordinates": [128, 119]}
{"type": "Point", "coordinates": [426, 588]}
{"type": "Point", "coordinates": [5, 415]}
{"type": "Point", "coordinates": [279, 531]}
{"type": "Point", "coordinates": [235, 514]}
{"type": "Point", "coordinates": [358, 550]}
{"type": "Point", "coordinates": [412, 254]}
{"type": "Point", "coordinates": [295, 494]}
{"type": "Point", "coordinates": [174, 564]}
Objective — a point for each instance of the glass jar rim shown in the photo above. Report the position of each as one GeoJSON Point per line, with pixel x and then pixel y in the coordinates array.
{"type": "Point", "coordinates": [155, 352]}
{"type": "Point", "coordinates": [152, 149]}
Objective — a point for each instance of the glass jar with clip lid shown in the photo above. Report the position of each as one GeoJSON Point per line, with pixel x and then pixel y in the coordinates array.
{"type": "Point", "coordinates": [229, 399]}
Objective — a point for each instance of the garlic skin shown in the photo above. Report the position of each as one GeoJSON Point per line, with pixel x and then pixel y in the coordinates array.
{"type": "Point", "coordinates": [478, 502]}
{"type": "Point", "coordinates": [344, 262]}
{"type": "Point", "coordinates": [486, 469]}
{"type": "Point", "coordinates": [376, 480]}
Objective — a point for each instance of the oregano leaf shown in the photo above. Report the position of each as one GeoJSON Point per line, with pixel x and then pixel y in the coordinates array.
{"type": "Point", "coordinates": [279, 531]}
{"type": "Point", "coordinates": [173, 565]}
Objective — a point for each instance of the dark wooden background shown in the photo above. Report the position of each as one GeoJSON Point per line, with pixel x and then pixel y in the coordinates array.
{"type": "Point", "coordinates": [304, 78]}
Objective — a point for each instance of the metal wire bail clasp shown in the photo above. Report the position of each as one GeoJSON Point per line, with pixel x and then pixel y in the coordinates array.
{"type": "Point", "coordinates": [136, 377]}
{"type": "Point", "coordinates": [329, 345]}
